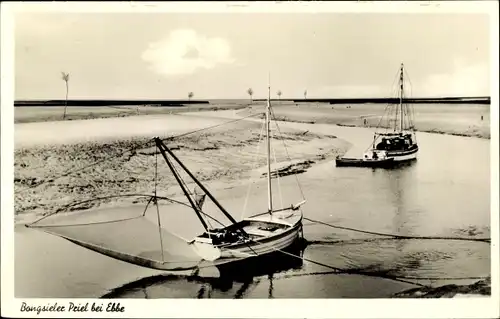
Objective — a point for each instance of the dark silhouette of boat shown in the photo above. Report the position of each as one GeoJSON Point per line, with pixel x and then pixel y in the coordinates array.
{"type": "Point", "coordinates": [359, 162]}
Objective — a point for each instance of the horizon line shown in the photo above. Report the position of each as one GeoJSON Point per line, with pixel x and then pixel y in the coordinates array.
{"type": "Point", "coordinates": [481, 97]}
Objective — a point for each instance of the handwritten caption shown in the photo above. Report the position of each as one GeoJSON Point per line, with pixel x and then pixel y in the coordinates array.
{"type": "Point", "coordinates": [73, 307]}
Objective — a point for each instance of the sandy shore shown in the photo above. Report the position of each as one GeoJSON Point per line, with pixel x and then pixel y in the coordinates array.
{"type": "Point", "coordinates": [455, 119]}
{"type": "Point", "coordinates": [226, 154]}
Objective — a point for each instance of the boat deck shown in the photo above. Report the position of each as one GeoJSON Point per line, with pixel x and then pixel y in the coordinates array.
{"type": "Point", "coordinates": [259, 230]}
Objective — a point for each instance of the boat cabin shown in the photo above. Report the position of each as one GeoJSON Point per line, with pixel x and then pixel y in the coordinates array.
{"type": "Point", "coordinates": [398, 141]}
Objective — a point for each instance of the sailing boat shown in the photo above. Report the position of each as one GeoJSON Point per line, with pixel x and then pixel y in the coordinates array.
{"type": "Point", "coordinates": [400, 144]}
{"type": "Point", "coordinates": [141, 241]}
{"type": "Point", "coordinates": [260, 234]}
{"type": "Point", "coordinates": [394, 141]}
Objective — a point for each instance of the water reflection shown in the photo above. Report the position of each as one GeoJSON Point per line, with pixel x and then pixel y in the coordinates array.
{"type": "Point", "coordinates": [401, 187]}
{"type": "Point", "coordinates": [234, 280]}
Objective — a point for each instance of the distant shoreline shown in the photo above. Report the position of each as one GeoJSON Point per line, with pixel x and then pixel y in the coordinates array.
{"type": "Point", "coordinates": [170, 103]}
{"type": "Point", "coordinates": [442, 119]}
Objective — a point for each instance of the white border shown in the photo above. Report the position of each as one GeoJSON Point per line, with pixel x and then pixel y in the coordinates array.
{"type": "Point", "coordinates": [285, 308]}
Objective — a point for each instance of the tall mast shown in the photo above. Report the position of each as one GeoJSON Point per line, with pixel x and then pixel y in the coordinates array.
{"type": "Point", "coordinates": [401, 82]}
{"type": "Point", "coordinates": [268, 131]}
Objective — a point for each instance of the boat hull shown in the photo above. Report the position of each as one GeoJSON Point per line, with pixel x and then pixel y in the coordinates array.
{"type": "Point", "coordinates": [401, 156]}
{"type": "Point", "coordinates": [264, 245]}
{"type": "Point", "coordinates": [354, 162]}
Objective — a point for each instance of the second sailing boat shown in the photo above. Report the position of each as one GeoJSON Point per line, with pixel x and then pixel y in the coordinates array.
{"type": "Point", "coordinates": [398, 141]}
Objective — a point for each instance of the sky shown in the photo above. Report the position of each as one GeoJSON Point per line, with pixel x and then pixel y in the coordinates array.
{"type": "Point", "coordinates": [221, 55]}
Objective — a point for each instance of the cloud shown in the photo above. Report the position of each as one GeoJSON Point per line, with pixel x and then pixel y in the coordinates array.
{"type": "Point", "coordinates": [465, 80]}
{"type": "Point", "coordinates": [185, 51]}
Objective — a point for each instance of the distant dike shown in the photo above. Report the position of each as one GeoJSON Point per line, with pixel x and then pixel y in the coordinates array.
{"type": "Point", "coordinates": [167, 103]}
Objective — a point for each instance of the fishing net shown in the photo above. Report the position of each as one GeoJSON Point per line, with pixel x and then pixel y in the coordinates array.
{"type": "Point", "coordinates": [138, 234]}
{"type": "Point", "coordinates": [155, 234]}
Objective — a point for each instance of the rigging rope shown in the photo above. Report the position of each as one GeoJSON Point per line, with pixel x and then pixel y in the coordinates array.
{"type": "Point", "coordinates": [411, 109]}
{"type": "Point", "coordinates": [393, 91]}
{"type": "Point", "coordinates": [158, 208]}
{"type": "Point", "coordinates": [278, 179]}
{"type": "Point", "coordinates": [287, 154]}
{"type": "Point", "coordinates": [389, 109]}
{"type": "Point", "coordinates": [253, 179]}
{"type": "Point", "coordinates": [211, 127]}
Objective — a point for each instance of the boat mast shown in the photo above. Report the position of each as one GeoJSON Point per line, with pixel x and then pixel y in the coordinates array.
{"type": "Point", "coordinates": [268, 130]}
{"type": "Point", "coordinates": [401, 81]}
{"type": "Point", "coordinates": [159, 144]}
{"type": "Point", "coordinates": [163, 150]}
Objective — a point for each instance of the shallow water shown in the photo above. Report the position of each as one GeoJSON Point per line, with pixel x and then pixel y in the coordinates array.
{"type": "Point", "coordinates": [445, 193]}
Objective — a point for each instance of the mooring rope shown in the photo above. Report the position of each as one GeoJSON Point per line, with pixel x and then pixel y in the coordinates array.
{"type": "Point", "coordinates": [338, 270]}
{"type": "Point", "coordinates": [488, 240]}
{"type": "Point", "coordinates": [406, 279]}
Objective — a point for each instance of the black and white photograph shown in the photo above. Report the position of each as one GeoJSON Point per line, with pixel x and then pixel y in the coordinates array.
{"type": "Point", "coordinates": [295, 151]}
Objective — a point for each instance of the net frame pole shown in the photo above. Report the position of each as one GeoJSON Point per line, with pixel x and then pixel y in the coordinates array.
{"type": "Point", "coordinates": [160, 145]}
